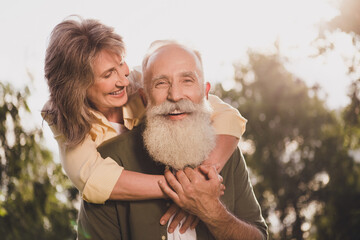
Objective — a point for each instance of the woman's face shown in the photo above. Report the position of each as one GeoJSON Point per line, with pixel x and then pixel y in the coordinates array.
{"type": "Point", "coordinates": [109, 88]}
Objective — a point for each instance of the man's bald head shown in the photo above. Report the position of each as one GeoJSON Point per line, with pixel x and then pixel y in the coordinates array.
{"type": "Point", "coordinates": [172, 72]}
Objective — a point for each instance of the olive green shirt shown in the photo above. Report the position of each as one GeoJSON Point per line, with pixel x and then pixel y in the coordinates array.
{"type": "Point", "coordinates": [140, 220]}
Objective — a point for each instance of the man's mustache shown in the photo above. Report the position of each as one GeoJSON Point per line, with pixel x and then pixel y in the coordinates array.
{"type": "Point", "coordinates": [167, 107]}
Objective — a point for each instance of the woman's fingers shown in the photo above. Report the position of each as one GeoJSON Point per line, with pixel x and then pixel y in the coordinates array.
{"type": "Point", "coordinates": [169, 192]}
{"type": "Point", "coordinates": [173, 182]}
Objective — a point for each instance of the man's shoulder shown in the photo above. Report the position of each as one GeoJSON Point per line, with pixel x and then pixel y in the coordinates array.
{"type": "Point", "coordinates": [235, 159]}
{"type": "Point", "coordinates": [235, 167]}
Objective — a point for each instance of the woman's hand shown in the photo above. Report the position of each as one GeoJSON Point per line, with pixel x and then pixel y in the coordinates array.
{"type": "Point", "coordinates": [179, 214]}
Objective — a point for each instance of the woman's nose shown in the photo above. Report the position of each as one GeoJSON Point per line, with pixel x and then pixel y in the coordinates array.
{"type": "Point", "coordinates": [123, 73]}
{"type": "Point", "coordinates": [122, 81]}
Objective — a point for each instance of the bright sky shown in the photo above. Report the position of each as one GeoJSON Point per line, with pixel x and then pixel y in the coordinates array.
{"type": "Point", "coordinates": [221, 30]}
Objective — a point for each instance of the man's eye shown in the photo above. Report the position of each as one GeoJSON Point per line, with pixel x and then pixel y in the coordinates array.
{"type": "Point", "coordinates": [188, 80]}
{"type": "Point", "coordinates": [161, 84]}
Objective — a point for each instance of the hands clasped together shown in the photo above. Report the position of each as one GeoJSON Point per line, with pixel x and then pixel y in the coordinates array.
{"type": "Point", "coordinates": [195, 193]}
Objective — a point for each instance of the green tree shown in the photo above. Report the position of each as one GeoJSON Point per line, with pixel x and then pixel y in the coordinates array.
{"type": "Point", "coordinates": [296, 145]}
{"type": "Point", "coordinates": [348, 21]}
{"type": "Point", "coordinates": [33, 200]}
{"type": "Point", "coordinates": [342, 216]}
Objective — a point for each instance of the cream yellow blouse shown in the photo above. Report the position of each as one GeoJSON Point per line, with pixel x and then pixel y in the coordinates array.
{"type": "Point", "coordinates": [94, 176]}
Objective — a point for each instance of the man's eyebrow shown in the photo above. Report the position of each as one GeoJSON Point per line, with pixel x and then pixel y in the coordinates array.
{"type": "Point", "coordinates": [159, 77]}
{"type": "Point", "coordinates": [189, 74]}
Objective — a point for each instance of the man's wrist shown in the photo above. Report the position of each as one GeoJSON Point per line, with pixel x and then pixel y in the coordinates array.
{"type": "Point", "coordinates": [214, 212]}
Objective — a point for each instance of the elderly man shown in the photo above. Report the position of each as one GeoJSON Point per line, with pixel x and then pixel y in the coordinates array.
{"type": "Point", "coordinates": [177, 134]}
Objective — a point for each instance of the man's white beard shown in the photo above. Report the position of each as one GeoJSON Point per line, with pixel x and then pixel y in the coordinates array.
{"type": "Point", "coordinates": [179, 143]}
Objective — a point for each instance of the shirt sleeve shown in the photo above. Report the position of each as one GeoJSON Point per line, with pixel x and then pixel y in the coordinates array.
{"type": "Point", "coordinates": [94, 176]}
{"type": "Point", "coordinates": [226, 119]}
{"type": "Point", "coordinates": [247, 207]}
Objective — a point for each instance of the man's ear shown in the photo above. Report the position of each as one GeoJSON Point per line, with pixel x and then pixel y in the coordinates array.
{"type": "Point", "coordinates": [207, 89]}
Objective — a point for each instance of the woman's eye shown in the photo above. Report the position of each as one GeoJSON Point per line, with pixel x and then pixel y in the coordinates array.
{"type": "Point", "coordinates": [108, 75]}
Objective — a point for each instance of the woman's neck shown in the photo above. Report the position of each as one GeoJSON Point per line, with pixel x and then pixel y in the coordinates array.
{"type": "Point", "coordinates": [114, 115]}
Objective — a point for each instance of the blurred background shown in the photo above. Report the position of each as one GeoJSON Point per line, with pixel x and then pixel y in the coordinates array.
{"type": "Point", "coordinates": [291, 67]}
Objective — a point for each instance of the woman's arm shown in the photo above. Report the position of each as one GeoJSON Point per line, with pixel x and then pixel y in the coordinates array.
{"type": "Point", "coordinates": [137, 186]}
{"type": "Point", "coordinates": [224, 148]}
{"type": "Point", "coordinates": [99, 179]}
{"type": "Point", "coordinates": [229, 126]}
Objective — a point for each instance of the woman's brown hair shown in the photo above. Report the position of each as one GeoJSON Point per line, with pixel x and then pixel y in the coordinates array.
{"type": "Point", "coordinates": [73, 46]}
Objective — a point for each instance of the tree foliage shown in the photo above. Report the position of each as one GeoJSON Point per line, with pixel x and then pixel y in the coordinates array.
{"type": "Point", "coordinates": [297, 152]}
{"type": "Point", "coordinates": [349, 18]}
{"type": "Point", "coordinates": [31, 184]}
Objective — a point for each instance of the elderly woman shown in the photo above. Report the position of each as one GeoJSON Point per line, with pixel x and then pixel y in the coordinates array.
{"type": "Point", "coordinates": [92, 100]}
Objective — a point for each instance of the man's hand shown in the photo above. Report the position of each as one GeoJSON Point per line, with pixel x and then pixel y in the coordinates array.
{"type": "Point", "coordinates": [192, 191]}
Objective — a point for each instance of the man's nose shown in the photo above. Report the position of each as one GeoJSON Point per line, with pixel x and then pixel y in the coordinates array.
{"type": "Point", "coordinates": [175, 93]}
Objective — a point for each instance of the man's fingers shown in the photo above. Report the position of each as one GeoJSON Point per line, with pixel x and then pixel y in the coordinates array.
{"type": "Point", "coordinates": [191, 174]}
{"type": "Point", "coordinates": [182, 178]}
{"type": "Point", "coordinates": [205, 169]}
{"type": "Point", "coordinates": [187, 223]}
{"type": "Point", "coordinates": [217, 167]}
{"type": "Point", "coordinates": [220, 178]}
{"type": "Point", "coordinates": [195, 223]}
{"type": "Point", "coordinates": [171, 211]}
{"type": "Point", "coordinates": [176, 220]}
{"type": "Point", "coordinates": [211, 172]}
{"type": "Point", "coordinates": [222, 189]}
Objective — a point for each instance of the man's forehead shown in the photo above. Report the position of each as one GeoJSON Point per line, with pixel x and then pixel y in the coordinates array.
{"type": "Point", "coordinates": [172, 52]}
{"type": "Point", "coordinates": [185, 73]}
{"type": "Point", "coordinates": [174, 58]}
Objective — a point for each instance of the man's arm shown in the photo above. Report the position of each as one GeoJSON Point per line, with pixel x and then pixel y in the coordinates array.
{"type": "Point", "coordinates": [200, 197]}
